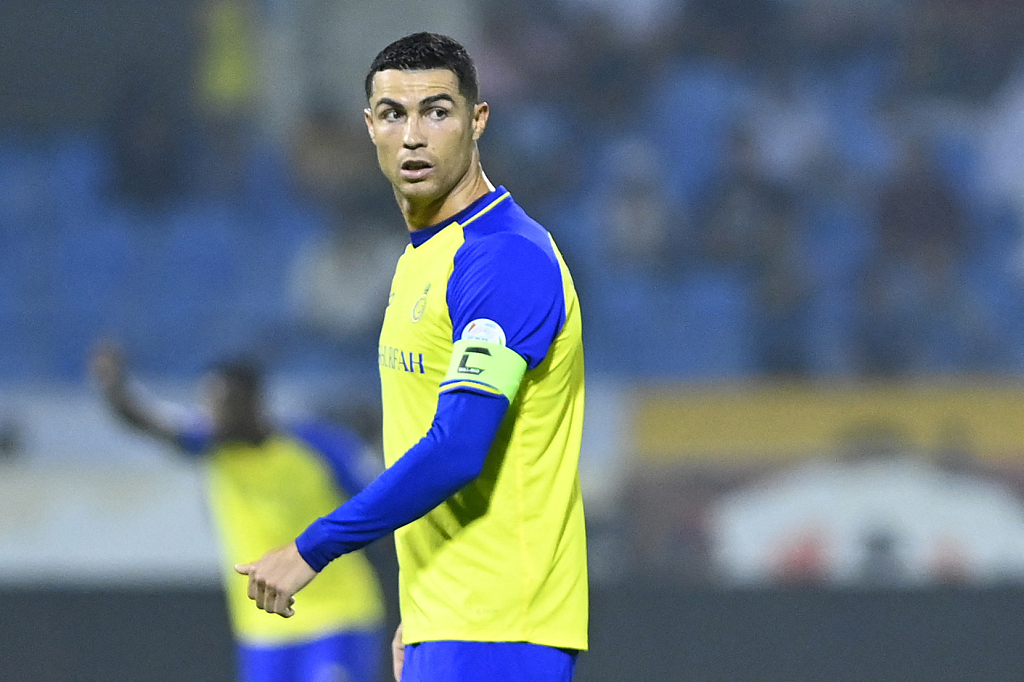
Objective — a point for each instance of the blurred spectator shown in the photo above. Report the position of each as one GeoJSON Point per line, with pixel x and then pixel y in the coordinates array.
{"type": "Point", "coordinates": [226, 76]}
{"type": "Point", "coordinates": [747, 225]}
{"type": "Point", "coordinates": [639, 21]}
{"type": "Point", "coordinates": [774, 268]}
{"type": "Point", "coordinates": [328, 152]}
{"type": "Point", "coordinates": [743, 217]}
{"type": "Point", "coordinates": [340, 280]}
{"type": "Point", "coordinates": [149, 146]}
{"type": "Point", "coordinates": [1001, 143]}
{"type": "Point", "coordinates": [959, 49]}
{"type": "Point", "coordinates": [918, 313]}
{"type": "Point", "coordinates": [918, 318]}
{"type": "Point", "coordinates": [694, 102]}
{"type": "Point", "coordinates": [790, 127]}
{"type": "Point", "coordinates": [340, 277]}
{"type": "Point", "coordinates": [918, 212]}
{"type": "Point", "coordinates": [643, 232]}
{"type": "Point", "coordinates": [226, 82]}
{"type": "Point", "coordinates": [638, 243]}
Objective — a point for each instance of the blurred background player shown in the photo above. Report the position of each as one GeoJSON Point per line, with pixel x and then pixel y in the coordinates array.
{"type": "Point", "coordinates": [265, 485]}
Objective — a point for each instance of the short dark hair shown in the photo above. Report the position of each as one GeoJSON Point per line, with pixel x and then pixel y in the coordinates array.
{"type": "Point", "coordinates": [244, 374]}
{"type": "Point", "coordinates": [422, 51]}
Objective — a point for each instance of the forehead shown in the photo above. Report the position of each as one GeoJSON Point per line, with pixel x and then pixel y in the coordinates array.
{"type": "Point", "coordinates": [410, 87]}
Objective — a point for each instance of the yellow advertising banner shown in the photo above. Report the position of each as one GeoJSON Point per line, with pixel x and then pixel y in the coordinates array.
{"type": "Point", "coordinates": [781, 421]}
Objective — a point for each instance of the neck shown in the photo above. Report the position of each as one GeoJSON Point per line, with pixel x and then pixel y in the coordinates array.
{"type": "Point", "coordinates": [253, 433]}
{"type": "Point", "coordinates": [471, 187]}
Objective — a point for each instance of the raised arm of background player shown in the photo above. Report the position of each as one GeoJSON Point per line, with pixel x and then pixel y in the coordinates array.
{"type": "Point", "coordinates": [503, 279]}
{"type": "Point", "coordinates": [341, 449]}
{"type": "Point", "coordinates": [108, 369]}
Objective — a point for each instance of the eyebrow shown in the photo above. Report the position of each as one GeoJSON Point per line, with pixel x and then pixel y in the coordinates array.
{"type": "Point", "coordinates": [443, 97]}
{"type": "Point", "coordinates": [426, 101]}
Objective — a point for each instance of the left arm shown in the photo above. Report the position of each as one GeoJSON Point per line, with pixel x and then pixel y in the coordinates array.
{"type": "Point", "coordinates": [449, 457]}
{"type": "Point", "coordinates": [507, 305]}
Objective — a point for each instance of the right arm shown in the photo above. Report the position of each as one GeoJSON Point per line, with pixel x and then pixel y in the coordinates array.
{"type": "Point", "coordinates": [109, 370]}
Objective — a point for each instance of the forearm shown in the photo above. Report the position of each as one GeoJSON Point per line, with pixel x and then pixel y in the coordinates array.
{"type": "Point", "coordinates": [126, 406]}
{"type": "Point", "coordinates": [450, 456]}
{"type": "Point", "coordinates": [138, 412]}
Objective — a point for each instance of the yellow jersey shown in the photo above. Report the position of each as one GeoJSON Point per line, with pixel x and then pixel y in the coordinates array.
{"type": "Point", "coordinates": [503, 559]}
{"type": "Point", "coordinates": [261, 497]}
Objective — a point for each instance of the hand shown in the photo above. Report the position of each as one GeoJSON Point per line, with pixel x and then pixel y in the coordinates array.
{"type": "Point", "coordinates": [107, 365]}
{"type": "Point", "coordinates": [398, 653]}
{"type": "Point", "coordinates": [275, 578]}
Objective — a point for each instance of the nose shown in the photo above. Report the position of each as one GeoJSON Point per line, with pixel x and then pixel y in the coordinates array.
{"type": "Point", "coordinates": [413, 137]}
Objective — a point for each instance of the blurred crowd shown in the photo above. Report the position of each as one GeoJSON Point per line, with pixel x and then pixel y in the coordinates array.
{"type": "Point", "coordinates": [819, 188]}
{"type": "Point", "coordinates": [806, 188]}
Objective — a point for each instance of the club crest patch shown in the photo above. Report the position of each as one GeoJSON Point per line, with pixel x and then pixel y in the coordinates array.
{"type": "Point", "coordinates": [420, 306]}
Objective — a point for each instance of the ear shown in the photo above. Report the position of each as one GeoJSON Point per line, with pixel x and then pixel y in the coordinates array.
{"type": "Point", "coordinates": [481, 112]}
{"type": "Point", "coordinates": [368, 117]}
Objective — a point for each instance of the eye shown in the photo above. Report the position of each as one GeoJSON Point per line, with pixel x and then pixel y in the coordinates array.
{"type": "Point", "coordinates": [391, 115]}
{"type": "Point", "coordinates": [438, 113]}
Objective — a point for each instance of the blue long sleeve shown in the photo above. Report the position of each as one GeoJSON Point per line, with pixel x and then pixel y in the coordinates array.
{"type": "Point", "coordinates": [449, 457]}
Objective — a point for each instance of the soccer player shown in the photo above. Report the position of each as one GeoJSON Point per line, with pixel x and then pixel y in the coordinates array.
{"type": "Point", "coordinates": [481, 367]}
{"type": "Point", "coordinates": [265, 485]}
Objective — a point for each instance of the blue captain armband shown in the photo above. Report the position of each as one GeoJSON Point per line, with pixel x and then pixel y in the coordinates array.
{"type": "Point", "coordinates": [484, 367]}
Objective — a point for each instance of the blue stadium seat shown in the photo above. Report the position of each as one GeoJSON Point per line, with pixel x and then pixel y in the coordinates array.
{"type": "Point", "coordinates": [708, 96]}
{"type": "Point", "coordinates": [79, 173]}
{"type": "Point", "coordinates": [693, 328]}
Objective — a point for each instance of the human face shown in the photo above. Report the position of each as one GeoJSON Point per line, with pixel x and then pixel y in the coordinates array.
{"type": "Point", "coordinates": [425, 132]}
{"type": "Point", "coordinates": [215, 399]}
{"type": "Point", "coordinates": [230, 410]}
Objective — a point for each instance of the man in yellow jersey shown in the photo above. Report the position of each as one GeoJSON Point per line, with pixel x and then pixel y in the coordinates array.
{"type": "Point", "coordinates": [481, 366]}
{"type": "Point", "coordinates": [264, 486]}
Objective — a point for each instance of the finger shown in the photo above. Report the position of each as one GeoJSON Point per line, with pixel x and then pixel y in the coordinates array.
{"type": "Point", "coordinates": [281, 604]}
{"type": "Point", "coordinates": [397, 654]}
{"type": "Point", "coordinates": [251, 589]}
{"type": "Point", "coordinates": [244, 569]}
{"type": "Point", "coordinates": [268, 599]}
{"type": "Point", "coordinates": [278, 602]}
{"type": "Point", "coordinates": [398, 662]}
{"type": "Point", "coordinates": [261, 595]}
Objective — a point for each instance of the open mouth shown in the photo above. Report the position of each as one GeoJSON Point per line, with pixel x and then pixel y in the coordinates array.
{"type": "Point", "coordinates": [415, 169]}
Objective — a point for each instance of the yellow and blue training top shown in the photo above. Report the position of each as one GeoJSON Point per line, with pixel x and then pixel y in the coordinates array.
{"type": "Point", "coordinates": [481, 365]}
{"type": "Point", "coordinates": [260, 497]}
